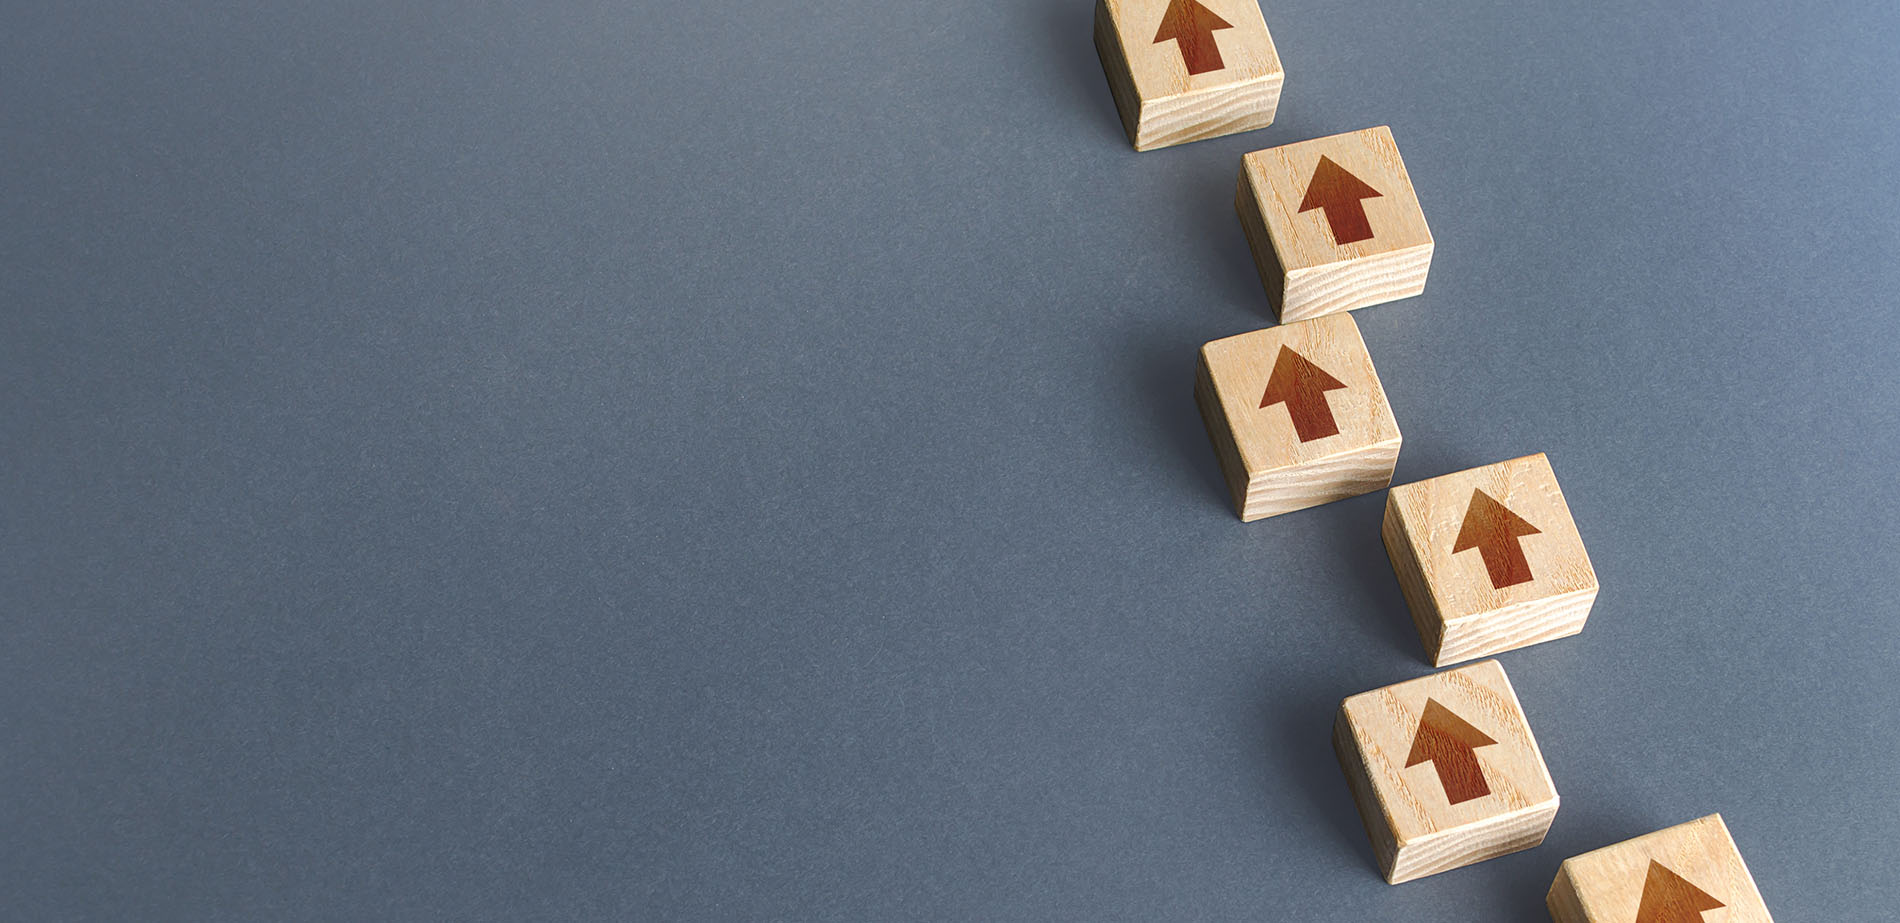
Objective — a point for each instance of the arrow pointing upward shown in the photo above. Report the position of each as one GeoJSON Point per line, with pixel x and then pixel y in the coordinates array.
{"type": "Point", "coordinates": [1192, 27]}
{"type": "Point", "coordinates": [1338, 193]}
{"type": "Point", "coordinates": [1302, 386]}
{"type": "Point", "coordinates": [1670, 898]}
{"type": "Point", "coordinates": [1450, 744]}
{"type": "Point", "coordinates": [1494, 531]}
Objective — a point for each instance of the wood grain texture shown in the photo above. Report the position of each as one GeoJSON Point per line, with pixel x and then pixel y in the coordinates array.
{"type": "Point", "coordinates": [1459, 611]}
{"type": "Point", "coordinates": [1160, 100]}
{"type": "Point", "coordinates": [1272, 274]}
{"type": "Point", "coordinates": [1269, 468]}
{"type": "Point", "coordinates": [1619, 883]}
{"type": "Point", "coordinates": [1418, 828]}
{"type": "Point", "coordinates": [1418, 599]}
{"type": "Point", "coordinates": [1306, 270]}
{"type": "Point", "coordinates": [1512, 627]}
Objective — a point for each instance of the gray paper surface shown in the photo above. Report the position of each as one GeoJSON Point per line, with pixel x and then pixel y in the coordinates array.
{"type": "Point", "coordinates": [604, 461]}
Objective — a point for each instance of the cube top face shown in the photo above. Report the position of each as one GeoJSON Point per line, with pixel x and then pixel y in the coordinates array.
{"type": "Point", "coordinates": [1336, 199]}
{"type": "Point", "coordinates": [1184, 70]}
{"type": "Point", "coordinates": [1175, 47]}
{"type": "Point", "coordinates": [1491, 538]}
{"type": "Point", "coordinates": [1299, 393]}
{"type": "Point", "coordinates": [1679, 873]}
{"type": "Point", "coordinates": [1449, 751]}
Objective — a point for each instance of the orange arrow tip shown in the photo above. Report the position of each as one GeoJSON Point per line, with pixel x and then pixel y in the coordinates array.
{"type": "Point", "coordinates": [1439, 726]}
{"type": "Point", "coordinates": [1671, 898]}
{"type": "Point", "coordinates": [1487, 520]}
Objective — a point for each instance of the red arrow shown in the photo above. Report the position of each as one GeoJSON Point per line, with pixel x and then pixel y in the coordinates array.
{"type": "Point", "coordinates": [1494, 531]}
{"type": "Point", "coordinates": [1192, 27]}
{"type": "Point", "coordinates": [1339, 192]}
{"type": "Point", "coordinates": [1302, 386]}
{"type": "Point", "coordinates": [1450, 744]}
{"type": "Point", "coordinates": [1670, 898]}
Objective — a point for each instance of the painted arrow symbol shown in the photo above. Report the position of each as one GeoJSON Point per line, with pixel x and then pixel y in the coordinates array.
{"type": "Point", "coordinates": [1450, 744]}
{"type": "Point", "coordinates": [1670, 898]}
{"type": "Point", "coordinates": [1338, 193]}
{"type": "Point", "coordinates": [1494, 531]}
{"type": "Point", "coordinates": [1192, 27]}
{"type": "Point", "coordinates": [1302, 386]}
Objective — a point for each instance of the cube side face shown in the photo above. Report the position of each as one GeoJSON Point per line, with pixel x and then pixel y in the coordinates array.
{"type": "Point", "coordinates": [1317, 483]}
{"type": "Point", "coordinates": [1562, 900]}
{"type": "Point", "coordinates": [1694, 865]}
{"type": "Point", "coordinates": [1121, 82]}
{"type": "Point", "coordinates": [1304, 411]}
{"type": "Point", "coordinates": [1418, 600]}
{"type": "Point", "coordinates": [1451, 762]}
{"type": "Point", "coordinates": [1499, 836]}
{"type": "Point", "coordinates": [1233, 468]}
{"type": "Point", "coordinates": [1352, 763]}
{"type": "Point", "coordinates": [1272, 275]}
{"type": "Point", "coordinates": [1207, 114]}
{"type": "Point", "coordinates": [1522, 625]}
{"type": "Point", "coordinates": [1498, 555]}
{"type": "Point", "coordinates": [1344, 222]}
{"type": "Point", "coordinates": [1356, 283]}
{"type": "Point", "coordinates": [1191, 76]}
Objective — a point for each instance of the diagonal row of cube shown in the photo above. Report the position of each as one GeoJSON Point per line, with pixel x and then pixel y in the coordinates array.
{"type": "Point", "coordinates": [1446, 772]}
{"type": "Point", "coordinates": [1444, 768]}
{"type": "Point", "coordinates": [1488, 559]}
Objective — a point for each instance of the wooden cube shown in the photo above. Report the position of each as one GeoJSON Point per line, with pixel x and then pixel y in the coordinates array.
{"type": "Point", "coordinates": [1671, 876]}
{"type": "Point", "coordinates": [1333, 223]}
{"type": "Point", "coordinates": [1489, 559]}
{"type": "Point", "coordinates": [1297, 416]}
{"type": "Point", "coordinates": [1445, 771]}
{"type": "Point", "coordinates": [1184, 70]}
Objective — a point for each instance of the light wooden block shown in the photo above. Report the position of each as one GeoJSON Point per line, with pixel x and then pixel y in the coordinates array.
{"type": "Point", "coordinates": [1184, 70]}
{"type": "Point", "coordinates": [1690, 873]}
{"type": "Point", "coordinates": [1297, 416]}
{"type": "Point", "coordinates": [1445, 771]}
{"type": "Point", "coordinates": [1489, 559]}
{"type": "Point", "coordinates": [1334, 224]}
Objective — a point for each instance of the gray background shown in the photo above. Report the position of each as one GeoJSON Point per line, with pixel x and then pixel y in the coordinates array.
{"type": "Point", "coordinates": [584, 460]}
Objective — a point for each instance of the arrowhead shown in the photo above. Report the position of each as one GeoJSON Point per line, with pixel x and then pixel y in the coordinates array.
{"type": "Point", "coordinates": [1489, 523]}
{"type": "Point", "coordinates": [1187, 21]}
{"type": "Point", "coordinates": [1440, 731]}
{"type": "Point", "coordinates": [1332, 186]}
{"type": "Point", "coordinates": [1670, 898]}
{"type": "Point", "coordinates": [1295, 378]}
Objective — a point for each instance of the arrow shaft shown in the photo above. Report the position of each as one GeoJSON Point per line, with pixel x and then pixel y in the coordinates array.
{"type": "Point", "coordinates": [1348, 221]}
{"type": "Point", "coordinates": [1199, 52]}
{"type": "Point", "coordinates": [1312, 415]}
{"type": "Point", "coordinates": [1504, 560]}
{"type": "Point", "coordinates": [1460, 774]}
